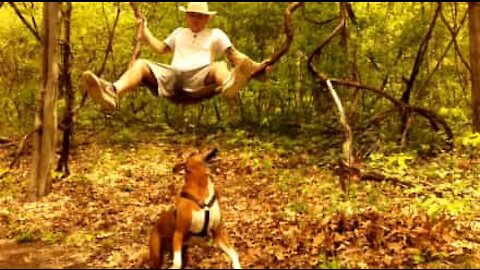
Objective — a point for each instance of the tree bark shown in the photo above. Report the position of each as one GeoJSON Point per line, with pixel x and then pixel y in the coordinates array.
{"type": "Point", "coordinates": [415, 71]}
{"type": "Point", "coordinates": [138, 37]}
{"type": "Point", "coordinates": [474, 26]}
{"type": "Point", "coordinates": [46, 104]}
{"type": "Point", "coordinates": [66, 84]}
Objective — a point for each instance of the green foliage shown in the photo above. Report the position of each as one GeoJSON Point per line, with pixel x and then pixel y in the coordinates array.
{"type": "Point", "coordinates": [470, 140]}
{"type": "Point", "coordinates": [79, 239]}
{"type": "Point", "coordinates": [124, 137]}
{"type": "Point", "coordinates": [435, 206]}
{"type": "Point", "coordinates": [51, 238]}
{"type": "Point", "coordinates": [469, 143]}
{"type": "Point", "coordinates": [329, 263]}
{"type": "Point", "coordinates": [297, 207]}
{"type": "Point", "coordinates": [25, 236]}
{"type": "Point", "coordinates": [395, 164]}
{"type": "Point", "coordinates": [453, 114]}
{"type": "Point", "coordinates": [79, 179]}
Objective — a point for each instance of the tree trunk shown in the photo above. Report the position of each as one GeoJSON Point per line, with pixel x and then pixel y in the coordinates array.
{"type": "Point", "coordinates": [474, 25]}
{"type": "Point", "coordinates": [46, 104]}
{"type": "Point", "coordinates": [66, 84]}
{"type": "Point", "coordinates": [422, 51]}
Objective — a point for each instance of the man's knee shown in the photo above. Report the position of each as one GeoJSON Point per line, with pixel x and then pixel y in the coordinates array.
{"type": "Point", "coordinates": [218, 72]}
{"type": "Point", "coordinates": [142, 66]}
{"type": "Point", "coordinates": [219, 66]}
{"type": "Point", "coordinates": [141, 63]}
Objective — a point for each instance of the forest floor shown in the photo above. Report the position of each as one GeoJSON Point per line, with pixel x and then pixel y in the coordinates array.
{"type": "Point", "coordinates": [281, 202]}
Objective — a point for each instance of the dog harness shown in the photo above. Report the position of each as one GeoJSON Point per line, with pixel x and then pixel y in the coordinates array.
{"type": "Point", "coordinates": [204, 206]}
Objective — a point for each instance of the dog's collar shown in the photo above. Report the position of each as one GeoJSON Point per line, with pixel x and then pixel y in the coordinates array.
{"type": "Point", "coordinates": [200, 204]}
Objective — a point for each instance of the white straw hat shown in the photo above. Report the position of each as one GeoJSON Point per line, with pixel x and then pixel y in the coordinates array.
{"type": "Point", "coordinates": [198, 7]}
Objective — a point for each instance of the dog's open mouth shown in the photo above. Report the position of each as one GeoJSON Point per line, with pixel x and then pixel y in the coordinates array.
{"type": "Point", "coordinates": [211, 154]}
{"type": "Point", "coordinates": [214, 161]}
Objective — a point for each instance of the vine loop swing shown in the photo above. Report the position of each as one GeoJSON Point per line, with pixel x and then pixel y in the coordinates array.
{"type": "Point", "coordinates": [209, 91]}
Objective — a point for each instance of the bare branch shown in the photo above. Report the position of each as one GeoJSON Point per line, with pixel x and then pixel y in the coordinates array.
{"type": "Point", "coordinates": [421, 53]}
{"type": "Point", "coordinates": [351, 14]}
{"type": "Point", "coordinates": [415, 70]}
{"type": "Point", "coordinates": [454, 38]}
{"type": "Point", "coordinates": [317, 51]}
{"type": "Point", "coordinates": [356, 171]}
{"type": "Point", "coordinates": [288, 39]}
{"type": "Point", "coordinates": [140, 24]}
{"type": "Point", "coordinates": [108, 51]}
{"type": "Point", "coordinates": [30, 28]}
{"type": "Point", "coordinates": [111, 33]}
{"type": "Point", "coordinates": [138, 38]}
{"type": "Point", "coordinates": [32, 17]}
{"type": "Point", "coordinates": [320, 23]}
{"type": "Point", "coordinates": [452, 41]}
{"type": "Point", "coordinates": [347, 145]}
{"type": "Point", "coordinates": [430, 115]}
{"type": "Point", "coordinates": [21, 148]}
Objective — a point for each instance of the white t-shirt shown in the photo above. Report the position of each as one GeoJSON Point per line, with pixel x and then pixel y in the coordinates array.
{"type": "Point", "coordinates": [194, 50]}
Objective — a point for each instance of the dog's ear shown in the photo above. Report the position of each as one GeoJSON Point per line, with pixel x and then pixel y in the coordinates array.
{"type": "Point", "coordinates": [178, 167]}
{"type": "Point", "coordinates": [210, 155]}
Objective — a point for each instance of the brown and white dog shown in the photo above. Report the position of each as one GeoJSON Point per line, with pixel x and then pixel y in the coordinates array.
{"type": "Point", "coordinates": [196, 213]}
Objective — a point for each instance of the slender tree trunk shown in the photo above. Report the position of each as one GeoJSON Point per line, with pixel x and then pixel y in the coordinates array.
{"type": "Point", "coordinates": [474, 25]}
{"type": "Point", "coordinates": [422, 51]}
{"type": "Point", "coordinates": [46, 104]}
{"type": "Point", "coordinates": [66, 84]}
{"type": "Point", "coordinates": [298, 82]}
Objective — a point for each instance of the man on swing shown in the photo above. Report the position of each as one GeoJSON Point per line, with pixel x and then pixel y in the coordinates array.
{"type": "Point", "coordinates": [194, 73]}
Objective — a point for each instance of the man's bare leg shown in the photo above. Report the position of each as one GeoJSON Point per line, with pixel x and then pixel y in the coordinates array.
{"type": "Point", "coordinates": [106, 94]}
{"type": "Point", "coordinates": [219, 73]}
{"type": "Point", "coordinates": [133, 77]}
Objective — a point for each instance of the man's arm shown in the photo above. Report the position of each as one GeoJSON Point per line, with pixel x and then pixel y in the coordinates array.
{"type": "Point", "coordinates": [159, 46]}
{"type": "Point", "coordinates": [234, 56]}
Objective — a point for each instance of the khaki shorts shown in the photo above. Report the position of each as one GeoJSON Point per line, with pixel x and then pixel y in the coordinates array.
{"type": "Point", "coordinates": [178, 85]}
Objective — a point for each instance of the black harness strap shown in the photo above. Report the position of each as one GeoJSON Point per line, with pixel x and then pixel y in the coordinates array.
{"type": "Point", "coordinates": [204, 206]}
